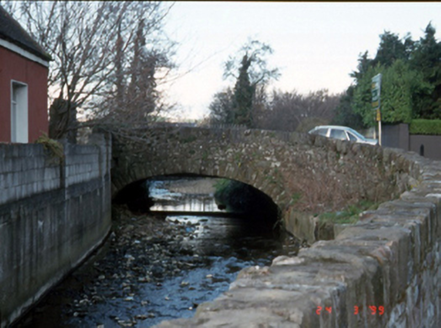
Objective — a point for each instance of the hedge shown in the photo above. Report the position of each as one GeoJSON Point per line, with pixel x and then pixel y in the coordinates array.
{"type": "Point", "coordinates": [431, 127]}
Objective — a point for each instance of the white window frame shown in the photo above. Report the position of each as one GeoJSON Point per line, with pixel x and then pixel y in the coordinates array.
{"type": "Point", "coordinates": [19, 112]}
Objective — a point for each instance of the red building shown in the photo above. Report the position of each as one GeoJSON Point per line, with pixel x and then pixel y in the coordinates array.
{"type": "Point", "coordinates": [23, 83]}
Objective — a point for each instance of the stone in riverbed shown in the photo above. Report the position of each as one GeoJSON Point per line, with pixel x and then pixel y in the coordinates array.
{"type": "Point", "coordinates": [157, 271]}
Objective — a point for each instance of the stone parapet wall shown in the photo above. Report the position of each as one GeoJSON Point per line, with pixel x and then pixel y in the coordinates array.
{"type": "Point", "coordinates": [400, 172]}
{"type": "Point", "coordinates": [47, 231]}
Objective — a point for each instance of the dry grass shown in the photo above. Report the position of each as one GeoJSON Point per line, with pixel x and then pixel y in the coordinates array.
{"type": "Point", "coordinates": [320, 192]}
{"type": "Point", "coordinates": [55, 147]}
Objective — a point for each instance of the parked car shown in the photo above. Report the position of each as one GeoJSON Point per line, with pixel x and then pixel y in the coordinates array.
{"type": "Point", "coordinates": [342, 133]}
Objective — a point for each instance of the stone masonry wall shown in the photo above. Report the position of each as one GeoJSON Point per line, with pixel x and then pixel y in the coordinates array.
{"type": "Point", "coordinates": [52, 215]}
{"type": "Point", "coordinates": [282, 165]}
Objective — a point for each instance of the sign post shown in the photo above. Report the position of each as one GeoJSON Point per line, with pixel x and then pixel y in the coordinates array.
{"type": "Point", "coordinates": [376, 91]}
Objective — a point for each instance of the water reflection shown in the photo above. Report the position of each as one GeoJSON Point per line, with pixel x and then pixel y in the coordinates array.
{"type": "Point", "coordinates": [186, 203]}
{"type": "Point", "coordinates": [167, 200]}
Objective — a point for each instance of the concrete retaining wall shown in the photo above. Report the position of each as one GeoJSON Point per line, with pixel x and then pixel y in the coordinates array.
{"type": "Point", "coordinates": [384, 271]}
{"type": "Point", "coordinates": [25, 170]}
{"type": "Point", "coordinates": [53, 213]}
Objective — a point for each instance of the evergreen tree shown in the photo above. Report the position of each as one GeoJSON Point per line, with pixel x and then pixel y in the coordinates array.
{"type": "Point", "coordinates": [391, 49]}
{"type": "Point", "coordinates": [399, 85]}
{"type": "Point", "coordinates": [243, 94]}
{"type": "Point", "coordinates": [364, 63]}
{"type": "Point", "coordinates": [426, 58]}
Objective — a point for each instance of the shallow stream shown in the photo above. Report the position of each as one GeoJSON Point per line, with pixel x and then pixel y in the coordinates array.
{"type": "Point", "coordinates": [160, 267]}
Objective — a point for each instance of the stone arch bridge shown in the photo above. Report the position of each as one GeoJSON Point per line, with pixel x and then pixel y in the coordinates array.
{"type": "Point", "coordinates": [294, 170]}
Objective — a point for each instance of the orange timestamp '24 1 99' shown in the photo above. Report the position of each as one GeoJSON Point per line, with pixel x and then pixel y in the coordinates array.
{"type": "Point", "coordinates": [373, 310]}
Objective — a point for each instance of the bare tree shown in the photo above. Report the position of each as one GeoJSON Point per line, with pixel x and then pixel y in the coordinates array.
{"type": "Point", "coordinates": [290, 110]}
{"type": "Point", "coordinates": [134, 96]}
{"type": "Point", "coordinates": [107, 57]}
{"type": "Point", "coordinates": [221, 108]}
{"type": "Point", "coordinates": [254, 53]}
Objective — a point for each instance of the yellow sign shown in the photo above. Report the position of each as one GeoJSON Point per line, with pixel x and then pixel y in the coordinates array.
{"type": "Point", "coordinates": [378, 115]}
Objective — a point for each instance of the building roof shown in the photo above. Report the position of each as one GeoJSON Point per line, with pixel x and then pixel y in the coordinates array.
{"type": "Point", "coordinates": [11, 30]}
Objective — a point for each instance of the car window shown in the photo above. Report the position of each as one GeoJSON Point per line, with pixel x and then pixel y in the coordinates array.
{"type": "Point", "coordinates": [322, 132]}
{"type": "Point", "coordinates": [352, 137]}
{"type": "Point", "coordinates": [360, 136]}
{"type": "Point", "coordinates": [338, 134]}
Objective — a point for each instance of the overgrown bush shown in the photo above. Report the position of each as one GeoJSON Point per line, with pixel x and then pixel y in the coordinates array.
{"type": "Point", "coordinates": [51, 145]}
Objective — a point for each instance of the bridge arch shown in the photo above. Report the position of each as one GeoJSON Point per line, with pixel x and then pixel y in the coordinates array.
{"type": "Point", "coordinates": [187, 151]}
{"type": "Point", "coordinates": [239, 198]}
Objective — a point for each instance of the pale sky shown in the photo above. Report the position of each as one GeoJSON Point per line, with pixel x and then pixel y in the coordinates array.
{"type": "Point", "coordinates": [316, 44]}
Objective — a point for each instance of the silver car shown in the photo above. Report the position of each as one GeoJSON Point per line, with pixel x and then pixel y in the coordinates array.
{"type": "Point", "coordinates": [342, 133]}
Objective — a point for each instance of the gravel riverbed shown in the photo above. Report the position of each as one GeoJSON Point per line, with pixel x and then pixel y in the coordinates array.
{"type": "Point", "coordinates": [156, 267]}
